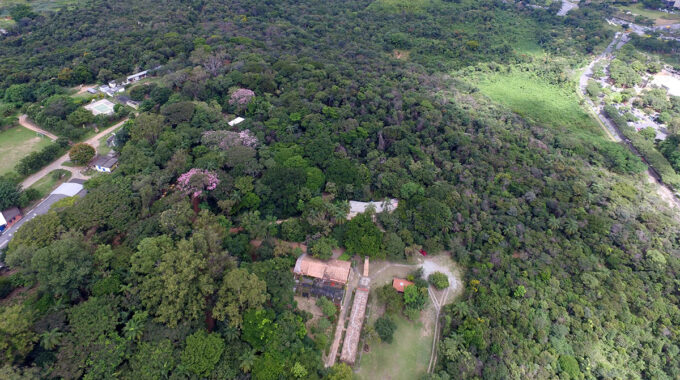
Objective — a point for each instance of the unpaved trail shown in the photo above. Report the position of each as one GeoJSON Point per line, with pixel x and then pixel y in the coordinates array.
{"type": "Point", "coordinates": [57, 164]}
{"type": "Point", "coordinates": [24, 122]}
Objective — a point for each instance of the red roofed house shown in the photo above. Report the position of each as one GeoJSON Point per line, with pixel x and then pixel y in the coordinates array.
{"type": "Point", "coordinates": [400, 284]}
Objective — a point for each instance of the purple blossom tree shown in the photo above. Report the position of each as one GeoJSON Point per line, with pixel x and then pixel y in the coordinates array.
{"type": "Point", "coordinates": [241, 96]}
{"type": "Point", "coordinates": [226, 139]}
{"type": "Point", "coordinates": [195, 181]}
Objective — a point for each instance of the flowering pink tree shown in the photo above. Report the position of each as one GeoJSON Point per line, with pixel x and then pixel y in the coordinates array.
{"type": "Point", "coordinates": [195, 181]}
{"type": "Point", "coordinates": [226, 139]}
{"type": "Point", "coordinates": [241, 96]}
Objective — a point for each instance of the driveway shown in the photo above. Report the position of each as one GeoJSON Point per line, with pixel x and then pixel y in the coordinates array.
{"type": "Point", "coordinates": [57, 164]}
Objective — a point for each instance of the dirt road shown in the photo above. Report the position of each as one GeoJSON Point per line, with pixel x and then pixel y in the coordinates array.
{"type": "Point", "coordinates": [57, 164]}
{"type": "Point", "coordinates": [23, 120]}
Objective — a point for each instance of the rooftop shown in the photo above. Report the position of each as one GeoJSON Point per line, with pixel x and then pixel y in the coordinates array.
{"type": "Point", "coordinates": [105, 161]}
{"type": "Point", "coordinates": [356, 207]}
{"type": "Point", "coordinates": [10, 213]}
{"type": "Point", "coordinates": [69, 189]}
{"type": "Point", "coordinates": [400, 284]}
{"type": "Point", "coordinates": [356, 321]}
{"type": "Point", "coordinates": [333, 270]}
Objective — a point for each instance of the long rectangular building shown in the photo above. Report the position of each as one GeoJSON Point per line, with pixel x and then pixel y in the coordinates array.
{"type": "Point", "coordinates": [356, 321]}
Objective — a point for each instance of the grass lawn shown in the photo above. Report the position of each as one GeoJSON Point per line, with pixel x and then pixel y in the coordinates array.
{"type": "Point", "coordinates": [46, 184]}
{"type": "Point", "coordinates": [102, 148]}
{"type": "Point", "coordinates": [536, 99]}
{"type": "Point", "coordinates": [15, 144]}
{"type": "Point", "coordinates": [406, 358]}
{"type": "Point", "coordinates": [653, 14]}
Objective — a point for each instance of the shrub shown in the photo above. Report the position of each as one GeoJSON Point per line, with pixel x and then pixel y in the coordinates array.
{"type": "Point", "coordinates": [6, 287]}
{"type": "Point", "coordinates": [385, 328]}
{"type": "Point", "coordinates": [439, 280]}
{"type": "Point", "coordinates": [327, 307]}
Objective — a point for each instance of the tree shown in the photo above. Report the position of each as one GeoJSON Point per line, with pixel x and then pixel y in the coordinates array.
{"type": "Point", "coordinates": [37, 232]}
{"type": "Point", "coordinates": [385, 328]}
{"type": "Point", "coordinates": [64, 267]}
{"type": "Point", "coordinates": [153, 360]}
{"type": "Point", "coordinates": [327, 307]}
{"type": "Point", "coordinates": [322, 248]}
{"type": "Point", "coordinates": [175, 281]}
{"type": "Point", "coordinates": [81, 154]}
{"type": "Point", "coordinates": [20, 11]}
{"type": "Point", "coordinates": [16, 337]}
{"type": "Point", "coordinates": [147, 127]}
{"type": "Point", "coordinates": [50, 339]}
{"type": "Point", "coordinates": [239, 292]}
{"type": "Point", "coordinates": [340, 371]}
{"type": "Point", "coordinates": [80, 117]}
{"type": "Point", "coordinates": [195, 181]}
{"type": "Point", "coordinates": [439, 280]}
{"type": "Point", "coordinates": [9, 194]}
{"type": "Point", "coordinates": [202, 352]}
{"type": "Point", "coordinates": [414, 297]}
{"type": "Point", "coordinates": [363, 237]}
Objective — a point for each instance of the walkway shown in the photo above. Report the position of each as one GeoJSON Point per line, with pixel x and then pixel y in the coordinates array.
{"type": "Point", "coordinates": [57, 164]}
{"type": "Point", "coordinates": [23, 120]}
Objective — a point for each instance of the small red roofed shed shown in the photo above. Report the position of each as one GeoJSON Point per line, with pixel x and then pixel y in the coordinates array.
{"type": "Point", "coordinates": [400, 284]}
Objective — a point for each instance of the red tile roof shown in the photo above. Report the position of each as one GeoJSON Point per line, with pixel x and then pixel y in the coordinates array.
{"type": "Point", "coordinates": [400, 284]}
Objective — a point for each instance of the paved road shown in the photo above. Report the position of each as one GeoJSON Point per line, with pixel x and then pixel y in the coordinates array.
{"type": "Point", "coordinates": [23, 120]}
{"type": "Point", "coordinates": [665, 191]}
{"type": "Point", "coordinates": [42, 208]}
{"type": "Point", "coordinates": [567, 6]}
{"type": "Point", "coordinates": [57, 164]}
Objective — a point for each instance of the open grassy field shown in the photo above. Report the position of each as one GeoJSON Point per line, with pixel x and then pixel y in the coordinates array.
{"type": "Point", "coordinates": [406, 358]}
{"type": "Point", "coordinates": [536, 99]}
{"type": "Point", "coordinates": [15, 144]}
{"type": "Point", "coordinates": [661, 18]}
{"type": "Point", "coordinates": [38, 6]}
{"type": "Point", "coordinates": [46, 184]}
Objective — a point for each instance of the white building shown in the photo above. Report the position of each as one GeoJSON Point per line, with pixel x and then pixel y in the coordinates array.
{"type": "Point", "coordinates": [135, 77]}
{"type": "Point", "coordinates": [105, 164]}
{"type": "Point", "coordinates": [236, 121]}
{"type": "Point", "coordinates": [356, 208]}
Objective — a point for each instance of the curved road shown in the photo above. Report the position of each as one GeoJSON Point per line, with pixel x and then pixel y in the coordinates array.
{"type": "Point", "coordinates": [23, 120]}
{"type": "Point", "coordinates": [665, 191]}
{"type": "Point", "coordinates": [57, 164]}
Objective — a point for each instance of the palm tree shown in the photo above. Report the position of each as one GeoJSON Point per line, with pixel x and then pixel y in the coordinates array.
{"type": "Point", "coordinates": [51, 339]}
{"type": "Point", "coordinates": [247, 360]}
{"type": "Point", "coordinates": [133, 329]}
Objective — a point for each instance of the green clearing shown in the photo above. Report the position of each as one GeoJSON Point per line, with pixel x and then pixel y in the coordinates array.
{"type": "Point", "coordinates": [46, 184]}
{"type": "Point", "coordinates": [538, 100]}
{"type": "Point", "coordinates": [15, 144]}
{"type": "Point", "coordinates": [402, 6]}
{"type": "Point", "coordinates": [39, 6]}
{"type": "Point", "coordinates": [655, 15]}
{"type": "Point", "coordinates": [406, 358]}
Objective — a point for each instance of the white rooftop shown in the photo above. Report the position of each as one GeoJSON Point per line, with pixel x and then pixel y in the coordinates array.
{"type": "Point", "coordinates": [668, 81]}
{"type": "Point", "coordinates": [69, 189]}
{"type": "Point", "coordinates": [356, 207]}
{"type": "Point", "coordinates": [236, 121]}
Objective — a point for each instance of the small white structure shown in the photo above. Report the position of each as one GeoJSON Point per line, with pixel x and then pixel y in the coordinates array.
{"type": "Point", "coordinates": [105, 164]}
{"type": "Point", "coordinates": [100, 107]}
{"type": "Point", "coordinates": [356, 208]}
{"type": "Point", "coordinates": [135, 77]}
{"type": "Point", "coordinates": [236, 121]}
{"type": "Point", "coordinates": [92, 90]}
{"type": "Point", "coordinates": [69, 189]}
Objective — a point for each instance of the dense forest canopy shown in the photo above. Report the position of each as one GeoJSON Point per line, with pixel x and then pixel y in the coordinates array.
{"type": "Point", "coordinates": [570, 261]}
